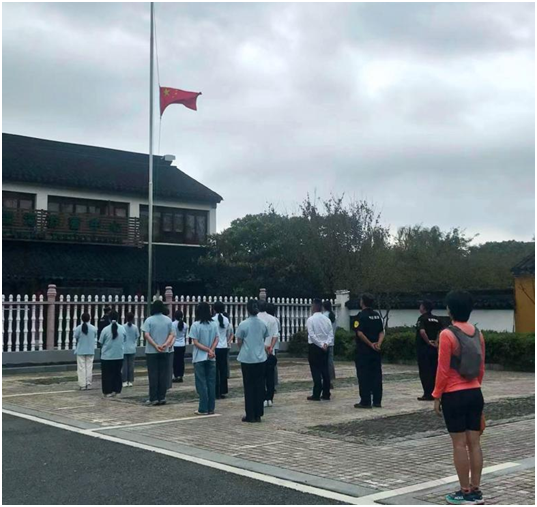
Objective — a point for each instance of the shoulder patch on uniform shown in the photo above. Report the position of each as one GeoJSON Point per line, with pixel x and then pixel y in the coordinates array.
{"type": "Point", "coordinates": [356, 324]}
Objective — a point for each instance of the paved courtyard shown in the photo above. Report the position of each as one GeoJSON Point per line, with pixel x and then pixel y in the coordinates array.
{"type": "Point", "coordinates": [397, 454]}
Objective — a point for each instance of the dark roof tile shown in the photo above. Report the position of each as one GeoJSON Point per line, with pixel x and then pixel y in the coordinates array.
{"type": "Point", "coordinates": [525, 267]}
{"type": "Point", "coordinates": [32, 160]}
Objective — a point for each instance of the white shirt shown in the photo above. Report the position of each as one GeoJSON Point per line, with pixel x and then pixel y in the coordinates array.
{"type": "Point", "coordinates": [320, 330]}
{"type": "Point", "coordinates": [180, 335]}
{"type": "Point", "coordinates": [273, 328]}
{"type": "Point", "coordinates": [223, 332]}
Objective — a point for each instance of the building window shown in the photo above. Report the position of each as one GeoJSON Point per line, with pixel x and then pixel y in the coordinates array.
{"type": "Point", "coordinates": [72, 205]}
{"type": "Point", "coordinates": [172, 225]}
{"type": "Point", "coordinates": [18, 200]}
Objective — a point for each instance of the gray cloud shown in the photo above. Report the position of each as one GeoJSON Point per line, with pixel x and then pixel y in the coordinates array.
{"type": "Point", "coordinates": [425, 109]}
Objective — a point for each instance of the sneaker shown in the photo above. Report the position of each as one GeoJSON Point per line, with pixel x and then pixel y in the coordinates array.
{"type": "Point", "coordinates": [130, 384]}
{"type": "Point", "coordinates": [460, 498]}
{"type": "Point", "coordinates": [313, 398]}
{"type": "Point", "coordinates": [265, 404]}
{"type": "Point", "coordinates": [180, 380]}
{"type": "Point", "coordinates": [270, 403]}
{"type": "Point", "coordinates": [161, 402]}
{"type": "Point", "coordinates": [477, 497]}
{"type": "Point", "coordinates": [197, 412]}
{"type": "Point", "coordinates": [125, 384]}
{"type": "Point", "coordinates": [425, 398]}
{"type": "Point", "coordinates": [149, 403]}
{"type": "Point", "coordinates": [378, 405]}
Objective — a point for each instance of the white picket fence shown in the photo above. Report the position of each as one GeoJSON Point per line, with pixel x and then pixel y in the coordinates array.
{"type": "Point", "coordinates": [32, 323]}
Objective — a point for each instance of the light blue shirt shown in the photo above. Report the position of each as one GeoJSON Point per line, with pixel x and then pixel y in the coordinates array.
{"type": "Point", "coordinates": [85, 343]}
{"type": "Point", "coordinates": [205, 334]}
{"type": "Point", "coordinates": [252, 332]}
{"type": "Point", "coordinates": [112, 348]}
{"type": "Point", "coordinates": [159, 328]}
{"type": "Point", "coordinates": [131, 338]}
{"type": "Point", "coordinates": [180, 334]}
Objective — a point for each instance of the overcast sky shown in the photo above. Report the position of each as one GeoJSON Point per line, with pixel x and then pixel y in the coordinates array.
{"type": "Point", "coordinates": [425, 110]}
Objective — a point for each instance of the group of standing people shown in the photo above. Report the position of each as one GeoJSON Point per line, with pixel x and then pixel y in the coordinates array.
{"type": "Point", "coordinates": [451, 360]}
{"type": "Point", "coordinates": [118, 349]}
{"type": "Point", "coordinates": [211, 334]}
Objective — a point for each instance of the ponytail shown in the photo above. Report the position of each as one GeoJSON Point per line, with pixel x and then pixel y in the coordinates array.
{"type": "Point", "coordinates": [113, 317]}
{"type": "Point", "coordinates": [85, 319]}
{"type": "Point", "coordinates": [219, 308]}
{"type": "Point", "coordinates": [178, 316]}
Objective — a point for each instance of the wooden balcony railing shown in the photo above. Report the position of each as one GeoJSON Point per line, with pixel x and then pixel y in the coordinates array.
{"type": "Point", "coordinates": [66, 227]}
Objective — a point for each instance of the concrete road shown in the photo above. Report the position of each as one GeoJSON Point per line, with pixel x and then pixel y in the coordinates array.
{"type": "Point", "coordinates": [46, 465]}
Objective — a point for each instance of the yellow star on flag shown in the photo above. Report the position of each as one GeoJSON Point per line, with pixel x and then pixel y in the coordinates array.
{"type": "Point", "coordinates": [166, 91]}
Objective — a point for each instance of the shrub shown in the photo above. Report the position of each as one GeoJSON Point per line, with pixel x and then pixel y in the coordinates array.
{"type": "Point", "coordinates": [53, 221]}
{"type": "Point", "coordinates": [74, 223]}
{"type": "Point", "coordinates": [298, 344]}
{"type": "Point", "coordinates": [515, 351]}
{"type": "Point", "coordinates": [7, 217]}
{"type": "Point", "coordinates": [29, 219]}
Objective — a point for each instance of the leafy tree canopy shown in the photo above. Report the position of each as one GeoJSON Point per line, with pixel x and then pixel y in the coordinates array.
{"type": "Point", "coordinates": [332, 245]}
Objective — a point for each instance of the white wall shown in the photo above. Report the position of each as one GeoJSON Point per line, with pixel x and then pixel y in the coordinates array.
{"type": "Point", "coordinates": [42, 193]}
{"type": "Point", "coordinates": [493, 320]}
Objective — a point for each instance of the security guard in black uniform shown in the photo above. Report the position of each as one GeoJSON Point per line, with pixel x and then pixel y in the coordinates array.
{"type": "Point", "coordinates": [369, 336]}
{"type": "Point", "coordinates": [428, 328]}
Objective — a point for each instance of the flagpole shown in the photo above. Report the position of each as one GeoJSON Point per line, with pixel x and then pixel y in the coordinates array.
{"type": "Point", "coordinates": [150, 200]}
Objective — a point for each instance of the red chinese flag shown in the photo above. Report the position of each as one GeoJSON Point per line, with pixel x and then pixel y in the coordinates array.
{"type": "Point", "coordinates": [173, 96]}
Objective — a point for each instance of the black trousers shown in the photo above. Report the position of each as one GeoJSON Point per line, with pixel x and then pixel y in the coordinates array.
{"type": "Point", "coordinates": [318, 359]}
{"type": "Point", "coordinates": [111, 379]}
{"type": "Point", "coordinates": [270, 377]}
{"type": "Point", "coordinates": [221, 372]}
{"type": "Point", "coordinates": [369, 371]}
{"type": "Point", "coordinates": [253, 379]}
{"type": "Point", "coordinates": [158, 372]}
{"type": "Point", "coordinates": [427, 363]}
{"type": "Point", "coordinates": [179, 361]}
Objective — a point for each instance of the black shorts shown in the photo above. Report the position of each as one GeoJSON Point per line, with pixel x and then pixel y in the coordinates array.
{"type": "Point", "coordinates": [462, 410]}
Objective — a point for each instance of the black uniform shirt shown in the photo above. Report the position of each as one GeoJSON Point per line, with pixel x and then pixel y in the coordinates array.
{"type": "Point", "coordinates": [369, 322]}
{"type": "Point", "coordinates": [431, 325]}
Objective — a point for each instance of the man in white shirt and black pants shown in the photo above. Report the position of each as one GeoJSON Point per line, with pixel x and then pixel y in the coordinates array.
{"type": "Point", "coordinates": [271, 344]}
{"type": "Point", "coordinates": [320, 337]}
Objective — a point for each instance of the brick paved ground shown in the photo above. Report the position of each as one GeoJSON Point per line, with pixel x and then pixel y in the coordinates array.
{"type": "Point", "coordinates": [515, 488]}
{"type": "Point", "coordinates": [399, 445]}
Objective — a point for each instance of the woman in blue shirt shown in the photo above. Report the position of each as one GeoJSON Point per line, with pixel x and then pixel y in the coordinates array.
{"type": "Point", "coordinates": [204, 334]}
{"type": "Point", "coordinates": [85, 337]}
{"type": "Point", "coordinates": [251, 335]}
{"type": "Point", "coordinates": [132, 334]}
{"type": "Point", "coordinates": [112, 346]}
{"type": "Point", "coordinates": [180, 328]}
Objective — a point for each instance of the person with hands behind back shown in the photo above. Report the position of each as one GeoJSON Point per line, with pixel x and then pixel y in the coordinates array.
{"type": "Point", "coordinates": [320, 338]}
{"type": "Point", "coordinates": [369, 337]}
{"type": "Point", "coordinates": [159, 336]}
{"type": "Point", "coordinates": [205, 336]}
